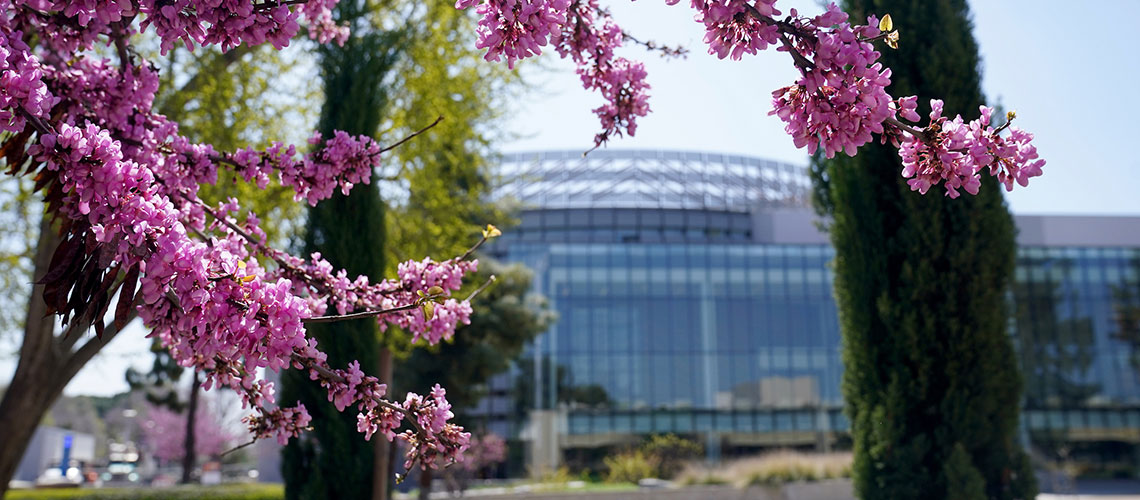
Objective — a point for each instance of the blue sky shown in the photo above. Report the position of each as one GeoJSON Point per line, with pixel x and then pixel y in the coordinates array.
{"type": "Point", "coordinates": [1070, 75]}
{"type": "Point", "coordinates": [1071, 86]}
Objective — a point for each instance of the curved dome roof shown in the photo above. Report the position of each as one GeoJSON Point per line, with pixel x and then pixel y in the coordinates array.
{"type": "Point", "coordinates": [651, 179]}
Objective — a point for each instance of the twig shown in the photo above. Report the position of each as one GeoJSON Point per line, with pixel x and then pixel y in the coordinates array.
{"type": "Point", "coordinates": [650, 45]}
{"type": "Point", "coordinates": [413, 135]}
{"type": "Point", "coordinates": [121, 48]}
{"type": "Point", "coordinates": [277, 3]}
{"type": "Point", "coordinates": [799, 59]}
{"type": "Point", "coordinates": [238, 447]}
{"type": "Point", "coordinates": [919, 134]}
{"type": "Point", "coordinates": [481, 288]}
{"type": "Point", "coordinates": [472, 249]}
{"type": "Point", "coordinates": [358, 315]}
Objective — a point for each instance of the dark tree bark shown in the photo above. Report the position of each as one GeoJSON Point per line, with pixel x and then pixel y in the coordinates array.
{"type": "Point", "coordinates": [425, 483]}
{"type": "Point", "coordinates": [383, 472]}
{"type": "Point", "coordinates": [188, 460]}
{"type": "Point", "coordinates": [47, 363]}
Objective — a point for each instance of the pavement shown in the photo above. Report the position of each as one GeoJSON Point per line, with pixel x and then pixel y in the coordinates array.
{"type": "Point", "coordinates": [822, 490]}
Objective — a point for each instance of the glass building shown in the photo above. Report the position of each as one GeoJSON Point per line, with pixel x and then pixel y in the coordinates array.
{"type": "Point", "coordinates": [694, 296]}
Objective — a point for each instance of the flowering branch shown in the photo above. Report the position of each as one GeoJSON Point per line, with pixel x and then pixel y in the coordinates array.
{"type": "Point", "coordinates": [838, 104]}
{"type": "Point", "coordinates": [125, 183]}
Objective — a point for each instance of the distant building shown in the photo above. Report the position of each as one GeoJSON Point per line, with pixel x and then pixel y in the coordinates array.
{"type": "Point", "coordinates": [47, 449]}
{"type": "Point", "coordinates": [694, 296]}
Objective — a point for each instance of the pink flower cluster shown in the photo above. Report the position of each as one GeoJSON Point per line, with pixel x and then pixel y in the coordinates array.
{"type": "Point", "coordinates": [516, 29]}
{"type": "Point", "coordinates": [22, 90]}
{"type": "Point", "coordinates": [435, 439]}
{"type": "Point", "coordinates": [420, 276]}
{"type": "Point", "coordinates": [342, 161]}
{"type": "Point", "coordinates": [432, 437]}
{"type": "Point", "coordinates": [73, 25]}
{"type": "Point", "coordinates": [432, 440]}
{"type": "Point", "coordinates": [580, 30]}
{"type": "Point", "coordinates": [954, 153]}
{"type": "Point", "coordinates": [346, 296]}
{"type": "Point", "coordinates": [229, 23]}
{"type": "Point", "coordinates": [164, 432]}
{"type": "Point", "coordinates": [128, 185]}
{"type": "Point", "coordinates": [730, 30]}
{"type": "Point", "coordinates": [838, 104]}
{"type": "Point", "coordinates": [484, 451]}
{"type": "Point", "coordinates": [281, 424]}
{"type": "Point", "coordinates": [841, 97]}
{"type": "Point", "coordinates": [589, 38]}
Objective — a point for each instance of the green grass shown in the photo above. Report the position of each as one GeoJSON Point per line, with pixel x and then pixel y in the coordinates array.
{"type": "Point", "coordinates": [587, 488]}
{"type": "Point", "coordinates": [227, 492]}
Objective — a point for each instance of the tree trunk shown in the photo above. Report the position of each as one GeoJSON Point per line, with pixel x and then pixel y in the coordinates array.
{"type": "Point", "coordinates": [425, 483]}
{"type": "Point", "coordinates": [46, 365]}
{"type": "Point", "coordinates": [28, 395]}
{"type": "Point", "coordinates": [383, 471]}
{"type": "Point", "coordinates": [189, 457]}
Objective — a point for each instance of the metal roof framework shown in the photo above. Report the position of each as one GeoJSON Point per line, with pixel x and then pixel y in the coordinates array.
{"type": "Point", "coordinates": [651, 179]}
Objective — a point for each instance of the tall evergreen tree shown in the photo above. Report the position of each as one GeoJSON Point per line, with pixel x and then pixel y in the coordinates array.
{"type": "Point", "coordinates": [931, 382]}
{"type": "Point", "coordinates": [334, 460]}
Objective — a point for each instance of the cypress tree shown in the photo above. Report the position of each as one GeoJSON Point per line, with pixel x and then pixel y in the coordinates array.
{"type": "Point", "coordinates": [334, 460]}
{"type": "Point", "coordinates": [931, 384]}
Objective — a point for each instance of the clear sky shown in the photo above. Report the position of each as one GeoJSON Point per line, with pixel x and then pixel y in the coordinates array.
{"type": "Point", "coordinates": [1069, 74]}
{"type": "Point", "coordinates": [1071, 86]}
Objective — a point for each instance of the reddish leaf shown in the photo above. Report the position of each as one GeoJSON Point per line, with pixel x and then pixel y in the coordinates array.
{"type": "Point", "coordinates": [123, 309]}
{"type": "Point", "coordinates": [68, 251]}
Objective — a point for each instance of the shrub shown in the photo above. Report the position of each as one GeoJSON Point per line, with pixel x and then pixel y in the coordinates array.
{"type": "Point", "coordinates": [772, 469]}
{"type": "Point", "coordinates": [630, 467]}
{"type": "Point", "coordinates": [670, 453]}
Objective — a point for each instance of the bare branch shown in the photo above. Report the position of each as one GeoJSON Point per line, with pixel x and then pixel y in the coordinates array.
{"type": "Point", "coordinates": [412, 136]}
{"type": "Point", "coordinates": [481, 288]}
{"type": "Point", "coordinates": [358, 315]}
{"type": "Point", "coordinates": [238, 447]}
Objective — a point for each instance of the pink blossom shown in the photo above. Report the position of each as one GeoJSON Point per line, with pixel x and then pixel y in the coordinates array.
{"type": "Point", "coordinates": [484, 451]}
{"type": "Point", "coordinates": [164, 432]}
{"type": "Point", "coordinates": [130, 182]}
{"type": "Point", "coordinates": [954, 153]}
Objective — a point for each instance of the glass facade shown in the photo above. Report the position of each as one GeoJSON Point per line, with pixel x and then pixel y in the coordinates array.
{"type": "Point", "coordinates": [688, 329]}
{"type": "Point", "coordinates": [682, 320]}
{"type": "Point", "coordinates": [702, 334]}
{"type": "Point", "coordinates": [1079, 357]}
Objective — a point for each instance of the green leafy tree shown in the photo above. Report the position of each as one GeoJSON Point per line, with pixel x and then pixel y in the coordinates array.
{"type": "Point", "coordinates": [931, 384]}
{"type": "Point", "coordinates": [446, 169]}
{"type": "Point", "coordinates": [242, 98]}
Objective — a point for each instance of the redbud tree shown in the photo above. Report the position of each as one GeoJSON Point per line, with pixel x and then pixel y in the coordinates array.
{"type": "Point", "coordinates": [76, 114]}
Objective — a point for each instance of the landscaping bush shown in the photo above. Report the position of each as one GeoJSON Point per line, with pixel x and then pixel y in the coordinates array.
{"type": "Point", "coordinates": [630, 467]}
{"type": "Point", "coordinates": [670, 454]}
{"type": "Point", "coordinates": [772, 469]}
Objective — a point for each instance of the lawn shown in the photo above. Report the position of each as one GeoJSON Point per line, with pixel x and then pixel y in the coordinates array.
{"type": "Point", "coordinates": [226, 492]}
